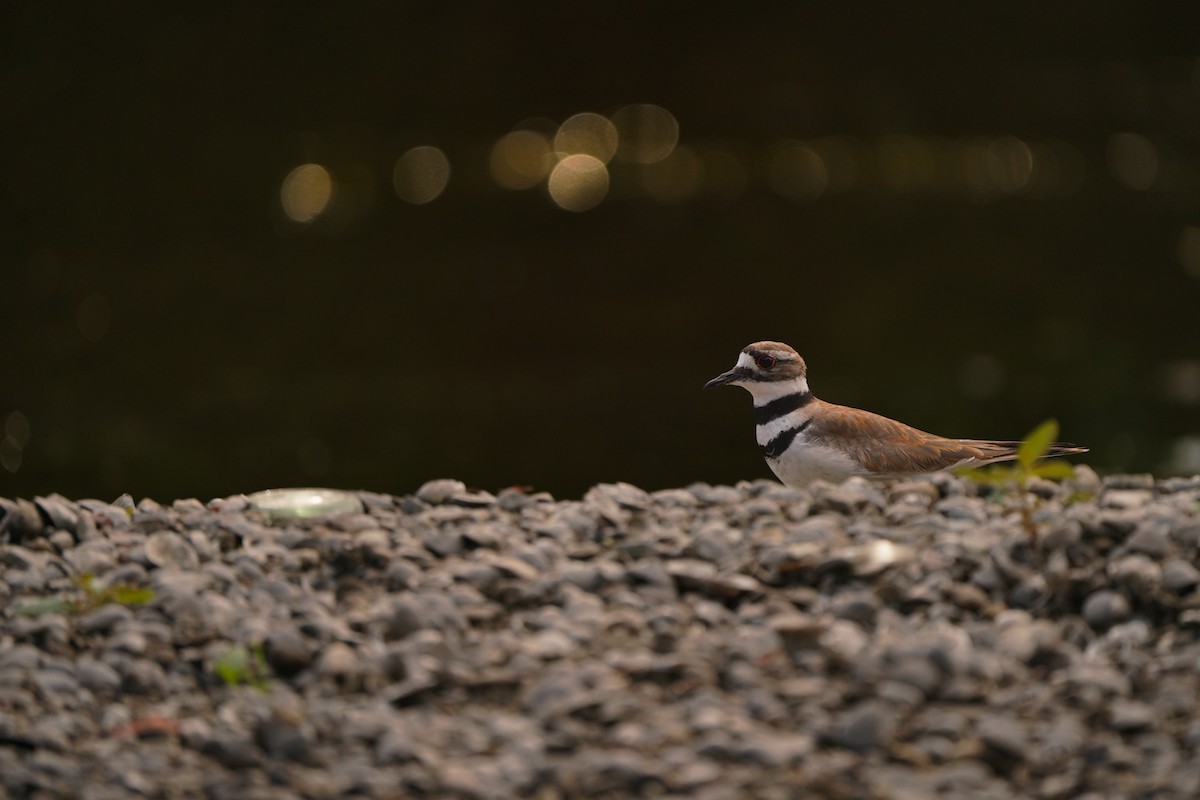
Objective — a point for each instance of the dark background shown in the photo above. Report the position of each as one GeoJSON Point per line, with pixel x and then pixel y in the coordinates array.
{"type": "Point", "coordinates": [167, 331]}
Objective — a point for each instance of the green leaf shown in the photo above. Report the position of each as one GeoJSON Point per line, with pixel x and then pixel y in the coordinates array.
{"type": "Point", "coordinates": [231, 665]}
{"type": "Point", "coordinates": [240, 664]}
{"type": "Point", "coordinates": [991, 476]}
{"type": "Point", "coordinates": [47, 605]}
{"type": "Point", "coordinates": [1054, 470]}
{"type": "Point", "coordinates": [130, 595]}
{"type": "Point", "coordinates": [1037, 443]}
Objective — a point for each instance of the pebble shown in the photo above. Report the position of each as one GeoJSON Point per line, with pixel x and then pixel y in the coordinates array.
{"type": "Point", "coordinates": [19, 520]}
{"type": "Point", "coordinates": [59, 511]}
{"type": "Point", "coordinates": [440, 491]}
{"type": "Point", "coordinates": [1004, 737]}
{"type": "Point", "coordinates": [885, 639]}
{"type": "Point", "coordinates": [164, 549]}
{"type": "Point", "coordinates": [1130, 715]}
{"type": "Point", "coordinates": [866, 727]}
{"type": "Point", "coordinates": [1105, 608]}
{"type": "Point", "coordinates": [1179, 576]}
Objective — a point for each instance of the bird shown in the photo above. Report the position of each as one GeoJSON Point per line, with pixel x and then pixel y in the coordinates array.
{"type": "Point", "coordinates": [805, 439]}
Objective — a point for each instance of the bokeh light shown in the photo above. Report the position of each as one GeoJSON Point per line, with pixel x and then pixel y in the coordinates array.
{"type": "Point", "coordinates": [17, 428]}
{"type": "Point", "coordinates": [797, 172]}
{"type": "Point", "coordinates": [1010, 162]}
{"type": "Point", "coordinates": [306, 192]}
{"type": "Point", "coordinates": [578, 183]}
{"type": "Point", "coordinates": [648, 133]}
{"type": "Point", "coordinates": [1132, 160]}
{"type": "Point", "coordinates": [1045, 174]}
{"type": "Point", "coordinates": [521, 159]}
{"type": "Point", "coordinates": [421, 175]}
{"type": "Point", "coordinates": [675, 179]}
{"type": "Point", "coordinates": [587, 134]}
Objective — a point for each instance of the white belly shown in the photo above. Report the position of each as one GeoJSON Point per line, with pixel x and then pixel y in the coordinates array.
{"type": "Point", "coordinates": [803, 463]}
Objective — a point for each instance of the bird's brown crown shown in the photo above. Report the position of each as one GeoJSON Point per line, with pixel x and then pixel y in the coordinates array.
{"type": "Point", "coordinates": [776, 360]}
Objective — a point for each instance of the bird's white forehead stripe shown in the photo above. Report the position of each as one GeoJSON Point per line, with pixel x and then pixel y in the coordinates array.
{"type": "Point", "coordinates": [744, 360]}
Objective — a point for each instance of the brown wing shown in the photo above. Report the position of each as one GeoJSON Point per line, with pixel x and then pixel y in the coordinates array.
{"type": "Point", "coordinates": [883, 446]}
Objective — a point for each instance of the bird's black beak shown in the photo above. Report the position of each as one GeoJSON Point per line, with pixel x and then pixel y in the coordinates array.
{"type": "Point", "coordinates": [734, 374]}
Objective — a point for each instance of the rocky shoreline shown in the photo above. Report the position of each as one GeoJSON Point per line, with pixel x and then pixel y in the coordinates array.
{"type": "Point", "coordinates": [893, 640]}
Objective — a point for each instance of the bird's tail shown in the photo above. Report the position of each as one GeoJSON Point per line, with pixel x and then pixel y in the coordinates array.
{"type": "Point", "coordinates": [994, 450]}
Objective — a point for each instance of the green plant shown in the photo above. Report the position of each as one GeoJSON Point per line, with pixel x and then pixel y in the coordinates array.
{"type": "Point", "coordinates": [240, 664]}
{"type": "Point", "coordinates": [88, 597]}
{"type": "Point", "coordinates": [1028, 464]}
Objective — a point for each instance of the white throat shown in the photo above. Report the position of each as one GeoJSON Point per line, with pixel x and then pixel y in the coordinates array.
{"type": "Point", "coordinates": [764, 393]}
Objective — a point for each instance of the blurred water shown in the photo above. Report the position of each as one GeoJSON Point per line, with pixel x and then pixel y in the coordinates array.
{"type": "Point", "coordinates": [970, 240]}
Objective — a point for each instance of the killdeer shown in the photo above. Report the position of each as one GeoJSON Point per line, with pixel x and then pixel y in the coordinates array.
{"type": "Point", "coordinates": [804, 438]}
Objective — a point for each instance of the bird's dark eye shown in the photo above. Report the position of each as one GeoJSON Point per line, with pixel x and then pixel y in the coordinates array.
{"type": "Point", "coordinates": [764, 362]}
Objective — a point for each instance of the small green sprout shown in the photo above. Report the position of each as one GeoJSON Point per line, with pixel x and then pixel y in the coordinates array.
{"type": "Point", "coordinates": [88, 597]}
{"type": "Point", "coordinates": [240, 664]}
{"type": "Point", "coordinates": [1029, 464]}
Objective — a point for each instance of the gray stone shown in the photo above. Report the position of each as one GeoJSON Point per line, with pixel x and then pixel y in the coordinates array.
{"type": "Point", "coordinates": [440, 491]}
{"type": "Point", "coordinates": [1179, 576]}
{"type": "Point", "coordinates": [98, 676]}
{"type": "Point", "coordinates": [140, 676]}
{"type": "Point", "coordinates": [681, 643]}
{"type": "Point", "coordinates": [968, 509]}
{"type": "Point", "coordinates": [866, 727]}
{"type": "Point", "coordinates": [19, 520]}
{"type": "Point", "coordinates": [61, 512]}
{"type": "Point", "coordinates": [169, 550]}
{"type": "Point", "coordinates": [513, 568]}
{"type": "Point", "coordinates": [1130, 715]}
{"type": "Point", "coordinates": [287, 652]}
{"type": "Point", "coordinates": [715, 495]}
{"type": "Point", "coordinates": [476, 499]}
{"type": "Point", "coordinates": [339, 662]}
{"type": "Point", "coordinates": [401, 574]}
{"type": "Point", "coordinates": [625, 495]}
{"type": "Point", "coordinates": [232, 749]}
{"type": "Point", "coordinates": [858, 606]}
{"type": "Point", "coordinates": [1137, 574]}
{"type": "Point", "coordinates": [444, 542]}
{"type": "Point", "coordinates": [1186, 532]}
{"type": "Point", "coordinates": [95, 557]}
{"type": "Point", "coordinates": [851, 497]}
{"type": "Point", "coordinates": [1126, 498]}
{"type": "Point", "coordinates": [1004, 737]}
{"type": "Point", "coordinates": [1105, 608]}
{"type": "Point", "coordinates": [1152, 537]}
{"type": "Point", "coordinates": [104, 619]}
{"type": "Point", "coordinates": [1029, 640]}
{"type": "Point", "coordinates": [920, 673]}
{"type": "Point", "coordinates": [282, 739]}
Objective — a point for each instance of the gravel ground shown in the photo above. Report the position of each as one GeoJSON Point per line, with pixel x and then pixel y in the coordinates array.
{"type": "Point", "coordinates": [893, 640]}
